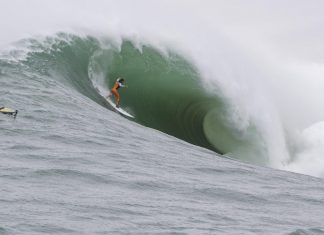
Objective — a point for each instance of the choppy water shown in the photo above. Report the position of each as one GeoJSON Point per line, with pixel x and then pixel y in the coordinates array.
{"type": "Point", "coordinates": [101, 174]}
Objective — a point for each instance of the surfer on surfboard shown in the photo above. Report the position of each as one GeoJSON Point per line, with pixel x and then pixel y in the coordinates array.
{"type": "Point", "coordinates": [9, 111]}
{"type": "Point", "coordinates": [120, 82]}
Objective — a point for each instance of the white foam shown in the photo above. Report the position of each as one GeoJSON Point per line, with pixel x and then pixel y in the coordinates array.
{"type": "Point", "coordinates": [309, 154]}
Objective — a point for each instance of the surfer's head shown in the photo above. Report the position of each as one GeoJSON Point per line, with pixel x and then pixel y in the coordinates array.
{"type": "Point", "coordinates": [121, 80]}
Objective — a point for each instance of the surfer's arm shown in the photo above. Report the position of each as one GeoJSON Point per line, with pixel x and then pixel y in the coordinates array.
{"type": "Point", "coordinates": [122, 85]}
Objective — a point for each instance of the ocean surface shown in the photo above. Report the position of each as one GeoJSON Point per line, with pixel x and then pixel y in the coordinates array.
{"type": "Point", "coordinates": [208, 151]}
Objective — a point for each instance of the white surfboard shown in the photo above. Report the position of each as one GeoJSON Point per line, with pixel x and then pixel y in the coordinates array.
{"type": "Point", "coordinates": [119, 110]}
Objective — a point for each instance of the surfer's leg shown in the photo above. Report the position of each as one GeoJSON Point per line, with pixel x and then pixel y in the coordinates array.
{"type": "Point", "coordinates": [117, 97]}
{"type": "Point", "coordinates": [113, 92]}
{"type": "Point", "coordinates": [117, 100]}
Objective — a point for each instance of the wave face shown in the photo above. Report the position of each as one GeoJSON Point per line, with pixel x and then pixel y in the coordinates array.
{"type": "Point", "coordinates": [165, 90]}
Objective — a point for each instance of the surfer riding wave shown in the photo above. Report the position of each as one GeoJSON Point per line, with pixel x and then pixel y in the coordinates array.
{"type": "Point", "coordinates": [120, 82]}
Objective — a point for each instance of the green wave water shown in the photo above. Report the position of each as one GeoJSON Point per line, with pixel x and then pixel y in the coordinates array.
{"type": "Point", "coordinates": [165, 92]}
